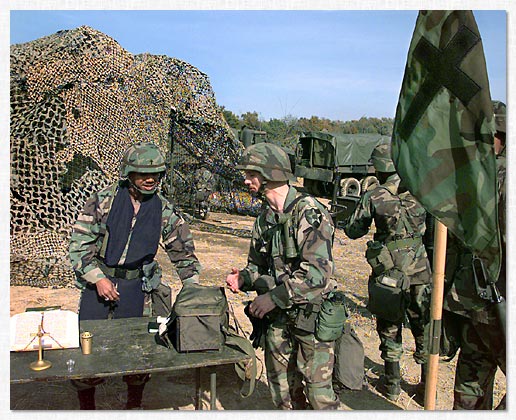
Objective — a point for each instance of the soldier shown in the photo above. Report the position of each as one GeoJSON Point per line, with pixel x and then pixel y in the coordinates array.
{"type": "Point", "coordinates": [112, 249]}
{"type": "Point", "coordinates": [204, 186]}
{"type": "Point", "coordinates": [291, 254]}
{"type": "Point", "coordinates": [477, 331]}
{"type": "Point", "coordinates": [400, 225]}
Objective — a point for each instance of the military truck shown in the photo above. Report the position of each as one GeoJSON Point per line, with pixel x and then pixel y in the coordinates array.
{"type": "Point", "coordinates": [248, 136]}
{"type": "Point", "coordinates": [337, 166]}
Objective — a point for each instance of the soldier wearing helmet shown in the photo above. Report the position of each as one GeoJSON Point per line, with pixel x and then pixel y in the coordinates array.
{"type": "Point", "coordinates": [470, 320]}
{"type": "Point", "coordinates": [397, 247]}
{"type": "Point", "coordinates": [113, 247]}
{"type": "Point", "coordinates": [290, 265]}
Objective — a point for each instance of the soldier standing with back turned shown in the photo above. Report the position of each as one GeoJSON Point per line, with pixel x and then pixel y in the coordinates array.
{"type": "Point", "coordinates": [400, 225]}
{"type": "Point", "coordinates": [475, 326]}
{"type": "Point", "coordinates": [291, 252]}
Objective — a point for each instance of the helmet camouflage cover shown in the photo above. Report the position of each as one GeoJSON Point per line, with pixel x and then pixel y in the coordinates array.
{"type": "Point", "coordinates": [500, 111]}
{"type": "Point", "coordinates": [142, 158]}
{"type": "Point", "coordinates": [382, 160]}
{"type": "Point", "coordinates": [271, 161]}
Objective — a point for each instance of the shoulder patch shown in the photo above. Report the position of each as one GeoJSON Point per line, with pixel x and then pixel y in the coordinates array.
{"type": "Point", "coordinates": [314, 217]}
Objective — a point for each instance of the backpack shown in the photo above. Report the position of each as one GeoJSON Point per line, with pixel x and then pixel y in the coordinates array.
{"type": "Point", "coordinates": [199, 321]}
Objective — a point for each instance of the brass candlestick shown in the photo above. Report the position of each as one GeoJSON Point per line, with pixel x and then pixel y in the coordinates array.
{"type": "Point", "coordinates": [40, 364]}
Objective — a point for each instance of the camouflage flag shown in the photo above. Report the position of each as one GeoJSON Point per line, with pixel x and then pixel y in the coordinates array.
{"type": "Point", "coordinates": [442, 144]}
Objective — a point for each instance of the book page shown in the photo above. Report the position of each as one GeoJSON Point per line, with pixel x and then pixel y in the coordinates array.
{"type": "Point", "coordinates": [60, 329]}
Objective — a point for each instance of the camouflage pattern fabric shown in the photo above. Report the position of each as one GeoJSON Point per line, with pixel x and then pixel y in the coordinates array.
{"type": "Point", "coordinates": [385, 206]}
{"type": "Point", "coordinates": [482, 344]}
{"type": "Point", "coordinates": [142, 158]}
{"type": "Point", "coordinates": [482, 351]}
{"type": "Point", "coordinates": [442, 144]}
{"type": "Point", "coordinates": [299, 280]}
{"type": "Point", "coordinates": [292, 358]}
{"type": "Point", "coordinates": [304, 278]}
{"type": "Point", "coordinates": [397, 217]}
{"type": "Point", "coordinates": [90, 229]}
{"type": "Point", "coordinates": [269, 160]}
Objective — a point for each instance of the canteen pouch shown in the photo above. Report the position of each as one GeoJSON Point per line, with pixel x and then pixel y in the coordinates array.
{"type": "Point", "coordinates": [198, 320]}
{"type": "Point", "coordinates": [332, 317]}
{"type": "Point", "coordinates": [378, 257]}
{"type": "Point", "coordinates": [388, 296]}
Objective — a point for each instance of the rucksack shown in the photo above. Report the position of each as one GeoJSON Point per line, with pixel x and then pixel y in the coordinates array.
{"type": "Point", "coordinates": [199, 321]}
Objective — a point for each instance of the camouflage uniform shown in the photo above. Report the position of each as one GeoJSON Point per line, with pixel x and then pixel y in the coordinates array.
{"type": "Point", "coordinates": [293, 355]}
{"type": "Point", "coordinates": [383, 205]}
{"type": "Point", "coordinates": [476, 329]}
{"type": "Point", "coordinates": [400, 225]}
{"type": "Point", "coordinates": [88, 244]}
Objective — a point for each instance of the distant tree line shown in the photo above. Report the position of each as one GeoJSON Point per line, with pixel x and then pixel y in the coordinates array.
{"type": "Point", "coordinates": [285, 131]}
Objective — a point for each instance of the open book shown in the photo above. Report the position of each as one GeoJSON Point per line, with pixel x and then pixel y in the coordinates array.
{"type": "Point", "coordinates": [59, 329]}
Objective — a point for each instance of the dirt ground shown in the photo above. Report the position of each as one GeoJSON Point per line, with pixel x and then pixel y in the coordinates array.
{"type": "Point", "coordinates": [218, 252]}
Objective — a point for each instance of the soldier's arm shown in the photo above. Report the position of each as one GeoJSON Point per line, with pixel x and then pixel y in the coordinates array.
{"type": "Point", "coordinates": [84, 241]}
{"type": "Point", "coordinates": [358, 224]}
{"type": "Point", "coordinates": [179, 245]}
{"type": "Point", "coordinates": [256, 263]}
{"type": "Point", "coordinates": [312, 276]}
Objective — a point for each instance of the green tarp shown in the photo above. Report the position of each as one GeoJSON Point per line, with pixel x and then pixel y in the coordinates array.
{"type": "Point", "coordinates": [350, 149]}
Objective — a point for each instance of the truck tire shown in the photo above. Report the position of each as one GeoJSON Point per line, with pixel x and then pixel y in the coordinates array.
{"type": "Point", "coordinates": [368, 183]}
{"type": "Point", "coordinates": [350, 187]}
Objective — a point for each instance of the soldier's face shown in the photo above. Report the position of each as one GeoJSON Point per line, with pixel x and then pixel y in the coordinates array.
{"type": "Point", "coordinates": [253, 180]}
{"type": "Point", "coordinates": [145, 182]}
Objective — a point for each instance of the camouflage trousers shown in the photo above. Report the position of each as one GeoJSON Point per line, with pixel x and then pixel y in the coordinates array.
{"type": "Point", "coordinates": [482, 351]}
{"type": "Point", "coordinates": [390, 333]}
{"type": "Point", "coordinates": [299, 367]}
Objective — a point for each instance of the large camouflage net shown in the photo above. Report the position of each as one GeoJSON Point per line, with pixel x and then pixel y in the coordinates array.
{"type": "Point", "coordinates": [78, 100]}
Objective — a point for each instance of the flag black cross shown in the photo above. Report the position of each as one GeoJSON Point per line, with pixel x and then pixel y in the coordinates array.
{"type": "Point", "coordinates": [443, 71]}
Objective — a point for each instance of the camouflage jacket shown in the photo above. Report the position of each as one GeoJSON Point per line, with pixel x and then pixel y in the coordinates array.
{"type": "Point", "coordinates": [89, 231]}
{"type": "Point", "coordinates": [306, 276]}
{"type": "Point", "coordinates": [386, 206]}
{"type": "Point", "coordinates": [461, 296]}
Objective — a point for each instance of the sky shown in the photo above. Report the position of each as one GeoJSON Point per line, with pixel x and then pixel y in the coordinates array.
{"type": "Point", "coordinates": [335, 64]}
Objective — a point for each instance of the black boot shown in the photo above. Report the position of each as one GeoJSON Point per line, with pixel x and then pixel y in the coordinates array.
{"type": "Point", "coordinates": [134, 396]}
{"type": "Point", "coordinates": [86, 399]}
{"type": "Point", "coordinates": [391, 387]}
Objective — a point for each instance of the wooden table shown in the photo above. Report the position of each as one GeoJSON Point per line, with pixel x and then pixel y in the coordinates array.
{"type": "Point", "coordinates": [122, 347]}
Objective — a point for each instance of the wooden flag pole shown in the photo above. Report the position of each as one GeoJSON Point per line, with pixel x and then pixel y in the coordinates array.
{"type": "Point", "coordinates": [436, 310]}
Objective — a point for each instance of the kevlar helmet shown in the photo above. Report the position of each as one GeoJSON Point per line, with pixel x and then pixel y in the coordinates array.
{"type": "Point", "coordinates": [500, 111]}
{"type": "Point", "coordinates": [142, 158]}
{"type": "Point", "coordinates": [382, 160]}
{"type": "Point", "coordinates": [271, 161]}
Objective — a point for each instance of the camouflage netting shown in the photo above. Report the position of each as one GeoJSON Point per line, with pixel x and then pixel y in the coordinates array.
{"type": "Point", "coordinates": [78, 100]}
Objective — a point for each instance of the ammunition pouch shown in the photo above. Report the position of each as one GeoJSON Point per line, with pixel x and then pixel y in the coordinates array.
{"type": "Point", "coordinates": [306, 317]}
{"type": "Point", "coordinates": [151, 278]}
{"type": "Point", "coordinates": [388, 295]}
{"type": "Point", "coordinates": [378, 257]}
{"type": "Point", "coordinates": [331, 318]}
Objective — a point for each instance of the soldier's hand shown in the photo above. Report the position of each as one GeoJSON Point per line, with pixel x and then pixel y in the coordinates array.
{"type": "Point", "coordinates": [261, 305]}
{"type": "Point", "coordinates": [107, 290]}
{"type": "Point", "coordinates": [233, 280]}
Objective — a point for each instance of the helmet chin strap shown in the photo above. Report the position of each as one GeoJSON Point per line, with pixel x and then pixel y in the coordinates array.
{"type": "Point", "coordinates": [144, 192]}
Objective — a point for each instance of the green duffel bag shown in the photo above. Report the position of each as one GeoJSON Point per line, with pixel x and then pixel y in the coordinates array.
{"type": "Point", "coordinates": [331, 318]}
{"type": "Point", "coordinates": [198, 320]}
{"type": "Point", "coordinates": [388, 295]}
